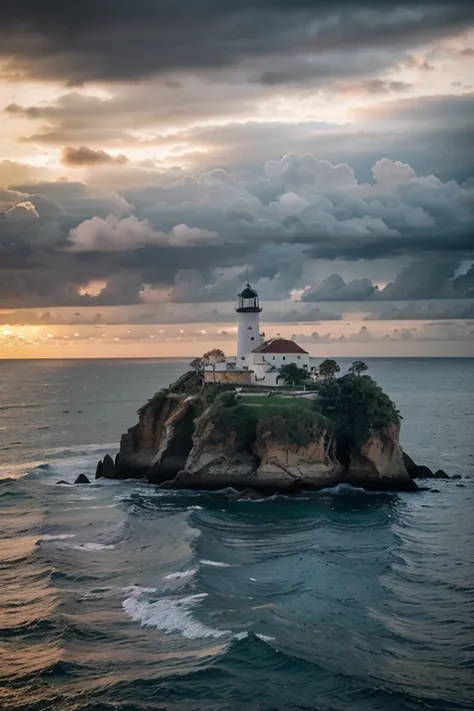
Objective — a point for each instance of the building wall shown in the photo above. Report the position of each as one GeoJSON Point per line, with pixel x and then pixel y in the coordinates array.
{"type": "Point", "coordinates": [248, 333]}
{"type": "Point", "coordinates": [281, 359]}
{"type": "Point", "coordinates": [239, 377]}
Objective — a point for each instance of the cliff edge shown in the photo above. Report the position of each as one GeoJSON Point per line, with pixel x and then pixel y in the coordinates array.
{"type": "Point", "coordinates": [200, 436]}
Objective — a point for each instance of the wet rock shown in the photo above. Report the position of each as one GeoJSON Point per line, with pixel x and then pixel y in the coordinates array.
{"type": "Point", "coordinates": [456, 476]}
{"type": "Point", "coordinates": [420, 471]}
{"type": "Point", "coordinates": [63, 481]}
{"type": "Point", "coordinates": [435, 491]}
{"type": "Point", "coordinates": [108, 467]}
{"type": "Point", "coordinates": [82, 479]}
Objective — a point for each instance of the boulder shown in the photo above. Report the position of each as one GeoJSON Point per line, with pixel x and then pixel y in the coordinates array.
{"type": "Point", "coordinates": [420, 471]}
{"type": "Point", "coordinates": [454, 476]}
{"type": "Point", "coordinates": [82, 479]}
{"type": "Point", "coordinates": [63, 481]}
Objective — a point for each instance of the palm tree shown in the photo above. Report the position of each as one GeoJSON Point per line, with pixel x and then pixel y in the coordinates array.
{"type": "Point", "coordinates": [213, 357]}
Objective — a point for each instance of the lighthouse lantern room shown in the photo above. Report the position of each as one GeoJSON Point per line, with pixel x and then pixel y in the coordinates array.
{"type": "Point", "coordinates": [248, 330]}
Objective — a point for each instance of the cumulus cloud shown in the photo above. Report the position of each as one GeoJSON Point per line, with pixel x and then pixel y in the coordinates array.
{"type": "Point", "coordinates": [334, 288]}
{"type": "Point", "coordinates": [219, 224]}
{"type": "Point", "coordinates": [87, 156]}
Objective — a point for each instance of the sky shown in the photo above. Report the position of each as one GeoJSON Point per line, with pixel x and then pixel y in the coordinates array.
{"type": "Point", "coordinates": [156, 155]}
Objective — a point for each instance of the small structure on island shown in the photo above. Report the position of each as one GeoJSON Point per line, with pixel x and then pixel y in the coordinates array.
{"type": "Point", "coordinates": [258, 361]}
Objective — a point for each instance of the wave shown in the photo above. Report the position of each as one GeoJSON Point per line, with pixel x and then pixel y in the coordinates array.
{"type": "Point", "coordinates": [56, 537]}
{"type": "Point", "coordinates": [215, 564]}
{"type": "Point", "coordinates": [93, 546]}
{"type": "Point", "coordinates": [169, 614]}
{"type": "Point", "coordinates": [182, 575]}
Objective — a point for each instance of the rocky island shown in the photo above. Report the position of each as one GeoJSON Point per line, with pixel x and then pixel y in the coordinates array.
{"type": "Point", "coordinates": [212, 435]}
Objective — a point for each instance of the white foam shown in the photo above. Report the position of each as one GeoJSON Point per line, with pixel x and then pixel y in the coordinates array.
{"type": "Point", "coordinates": [138, 590]}
{"type": "Point", "coordinates": [93, 547]}
{"type": "Point", "coordinates": [215, 564]}
{"type": "Point", "coordinates": [181, 575]}
{"type": "Point", "coordinates": [244, 635]}
{"type": "Point", "coordinates": [170, 615]}
{"type": "Point", "coordinates": [57, 537]}
{"type": "Point", "coordinates": [194, 508]}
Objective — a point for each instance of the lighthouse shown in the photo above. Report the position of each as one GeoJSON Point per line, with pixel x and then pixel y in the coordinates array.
{"type": "Point", "coordinates": [248, 328]}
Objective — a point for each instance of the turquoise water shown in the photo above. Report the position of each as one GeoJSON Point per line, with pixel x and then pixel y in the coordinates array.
{"type": "Point", "coordinates": [121, 596]}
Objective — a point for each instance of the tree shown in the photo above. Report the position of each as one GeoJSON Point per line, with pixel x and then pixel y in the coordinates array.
{"type": "Point", "coordinates": [328, 369]}
{"type": "Point", "coordinates": [213, 357]}
{"type": "Point", "coordinates": [357, 405]}
{"type": "Point", "coordinates": [292, 375]}
{"type": "Point", "coordinates": [358, 367]}
{"type": "Point", "coordinates": [197, 365]}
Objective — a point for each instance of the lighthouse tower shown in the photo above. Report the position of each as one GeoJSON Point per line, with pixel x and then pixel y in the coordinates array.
{"type": "Point", "coordinates": [248, 332]}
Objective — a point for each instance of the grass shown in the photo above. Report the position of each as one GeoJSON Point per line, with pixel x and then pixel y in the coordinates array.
{"type": "Point", "coordinates": [273, 401]}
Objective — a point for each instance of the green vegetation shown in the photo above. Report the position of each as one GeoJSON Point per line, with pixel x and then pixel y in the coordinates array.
{"type": "Point", "coordinates": [292, 375]}
{"type": "Point", "coordinates": [231, 421]}
{"type": "Point", "coordinates": [357, 405]}
{"type": "Point", "coordinates": [297, 424]}
{"type": "Point", "coordinates": [269, 401]}
{"type": "Point", "coordinates": [154, 403]}
{"type": "Point", "coordinates": [328, 369]}
{"type": "Point", "coordinates": [358, 367]}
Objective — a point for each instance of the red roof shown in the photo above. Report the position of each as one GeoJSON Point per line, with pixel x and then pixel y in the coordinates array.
{"type": "Point", "coordinates": [279, 345]}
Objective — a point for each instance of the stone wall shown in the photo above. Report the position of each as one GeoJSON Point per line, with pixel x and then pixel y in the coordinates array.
{"type": "Point", "coordinates": [239, 377]}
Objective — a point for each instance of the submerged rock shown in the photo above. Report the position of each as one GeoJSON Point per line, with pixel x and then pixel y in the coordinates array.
{"type": "Point", "coordinates": [420, 471]}
{"type": "Point", "coordinates": [82, 479]}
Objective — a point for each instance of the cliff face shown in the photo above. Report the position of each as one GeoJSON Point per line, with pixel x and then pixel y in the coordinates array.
{"type": "Point", "coordinates": [378, 462]}
{"type": "Point", "coordinates": [310, 461]}
{"type": "Point", "coordinates": [182, 441]}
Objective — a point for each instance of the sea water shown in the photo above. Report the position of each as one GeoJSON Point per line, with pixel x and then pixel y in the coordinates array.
{"type": "Point", "coordinates": [117, 595]}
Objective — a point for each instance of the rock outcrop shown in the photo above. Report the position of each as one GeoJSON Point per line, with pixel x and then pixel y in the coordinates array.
{"type": "Point", "coordinates": [420, 471]}
{"type": "Point", "coordinates": [204, 437]}
{"type": "Point", "coordinates": [379, 462]}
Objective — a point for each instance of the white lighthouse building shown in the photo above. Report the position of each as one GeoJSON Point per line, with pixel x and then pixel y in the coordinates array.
{"type": "Point", "coordinates": [258, 362]}
{"type": "Point", "coordinates": [248, 330]}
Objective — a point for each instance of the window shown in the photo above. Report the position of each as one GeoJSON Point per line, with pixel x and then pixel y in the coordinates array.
{"type": "Point", "coordinates": [273, 357]}
{"type": "Point", "coordinates": [252, 338]}
{"type": "Point", "coordinates": [249, 328]}
{"type": "Point", "coordinates": [242, 357]}
{"type": "Point", "coordinates": [298, 357]}
{"type": "Point", "coordinates": [246, 367]}
{"type": "Point", "coordinates": [283, 358]}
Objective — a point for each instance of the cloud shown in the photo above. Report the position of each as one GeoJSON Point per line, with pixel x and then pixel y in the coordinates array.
{"type": "Point", "coordinates": [130, 41]}
{"type": "Point", "coordinates": [434, 331]}
{"type": "Point", "coordinates": [129, 233]}
{"type": "Point", "coordinates": [334, 288]}
{"type": "Point", "coordinates": [422, 310]}
{"type": "Point", "coordinates": [86, 156]}
{"type": "Point", "coordinates": [293, 213]}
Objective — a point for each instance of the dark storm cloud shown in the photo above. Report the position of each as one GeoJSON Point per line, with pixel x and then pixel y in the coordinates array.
{"type": "Point", "coordinates": [97, 39]}
{"type": "Point", "coordinates": [422, 279]}
{"type": "Point", "coordinates": [87, 156]}
{"type": "Point", "coordinates": [210, 228]}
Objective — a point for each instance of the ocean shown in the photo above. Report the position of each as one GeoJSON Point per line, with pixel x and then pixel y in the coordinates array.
{"type": "Point", "coordinates": [119, 596]}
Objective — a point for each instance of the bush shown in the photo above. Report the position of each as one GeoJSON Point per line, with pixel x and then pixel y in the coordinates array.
{"type": "Point", "coordinates": [294, 424]}
{"type": "Point", "coordinates": [357, 405]}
